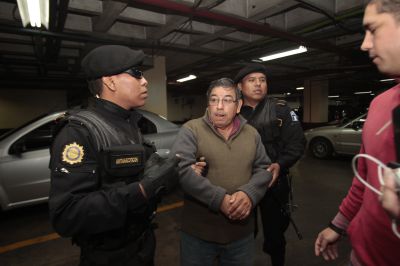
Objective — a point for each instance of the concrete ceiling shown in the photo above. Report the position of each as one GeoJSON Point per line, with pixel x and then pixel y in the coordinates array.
{"type": "Point", "coordinates": [208, 38]}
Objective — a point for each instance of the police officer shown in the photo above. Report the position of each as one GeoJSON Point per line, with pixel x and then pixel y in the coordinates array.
{"type": "Point", "coordinates": [284, 141]}
{"type": "Point", "coordinates": [104, 179]}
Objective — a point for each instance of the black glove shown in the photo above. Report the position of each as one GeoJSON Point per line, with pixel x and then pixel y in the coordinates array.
{"type": "Point", "coordinates": [160, 175]}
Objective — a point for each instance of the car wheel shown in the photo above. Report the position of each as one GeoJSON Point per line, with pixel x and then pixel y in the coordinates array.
{"type": "Point", "coordinates": [321, 148]}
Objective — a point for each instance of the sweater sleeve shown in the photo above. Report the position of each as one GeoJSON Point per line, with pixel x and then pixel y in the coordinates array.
{"type": "Point", "coordinates": [258, 183]}
{"type": "Point", "coordinates": [197, 186]}
{"type": "Point", "coordinates": [352, 202]}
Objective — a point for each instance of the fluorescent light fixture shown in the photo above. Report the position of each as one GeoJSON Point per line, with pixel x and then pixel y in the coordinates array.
{"type": "Point", "coordinates": [333, 96]}
{"type": "Point", "coordinates": [363, 92]}
{"type": "Point", "coordinates": [299, 50]}
{"type": "Point", "coordinates": [386, 80]}
{"type": "Point", "coordinates": [34, 12]}
{"type": "Point", "coordinates": [300, 88]}
{"type": "Point", "coordinates": [190, 77]}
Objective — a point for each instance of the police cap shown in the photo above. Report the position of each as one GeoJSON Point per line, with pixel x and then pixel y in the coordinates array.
{"type": "Point", "coordinates": [250, 68]}
{"type": "Point", "coordinates": [110, 60]}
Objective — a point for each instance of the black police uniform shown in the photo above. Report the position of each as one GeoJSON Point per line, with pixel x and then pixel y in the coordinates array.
{"type": "Point", "coordinates": [97, 161]}
{"type": "Point", "coordinates": [105, 213]}
{"type": "Point", "coordinates": [284, 141]}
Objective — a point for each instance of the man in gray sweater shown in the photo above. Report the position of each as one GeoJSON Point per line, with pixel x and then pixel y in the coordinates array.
{"type": "Point", "coordinates": [218, 219]}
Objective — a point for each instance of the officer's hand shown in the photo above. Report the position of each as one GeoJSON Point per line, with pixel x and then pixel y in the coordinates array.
{"type": "Point", "coordinates": [326, 244]}
{"type": "Point", "coordinates": [159, 175]}
{"type": "Point", "coordinates": [274, 168]}
{"type": "Point", "coordinates": [200, 167]}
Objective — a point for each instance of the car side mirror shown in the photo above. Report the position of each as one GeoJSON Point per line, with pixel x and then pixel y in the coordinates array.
{"type": "Point", "coordinates": [18, 147]}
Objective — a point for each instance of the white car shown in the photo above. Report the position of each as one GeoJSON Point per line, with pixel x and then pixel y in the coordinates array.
{"type": "Point", "coordinates": [344, 138]}
{"type": "Point", "coordinates": [25, 155]}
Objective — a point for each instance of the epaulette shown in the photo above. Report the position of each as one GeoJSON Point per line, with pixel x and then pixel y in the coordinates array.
{"type": "Point", "coordinates": [281, 102]}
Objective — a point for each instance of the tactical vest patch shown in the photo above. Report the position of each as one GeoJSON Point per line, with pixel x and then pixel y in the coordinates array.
{"type": "Point", "coordinates": [73, 153]}
{"type": "Point", "coordinates": [126, 160]}
{"type": "Point", "coordinates": [294, 116]}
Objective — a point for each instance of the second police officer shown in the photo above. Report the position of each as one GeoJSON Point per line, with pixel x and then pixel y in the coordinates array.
{"type": "Point", "coordinates": [284, 142]}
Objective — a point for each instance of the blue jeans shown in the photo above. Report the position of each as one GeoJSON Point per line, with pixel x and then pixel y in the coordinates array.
{"type": "Point", "coordinates": [197, 252]}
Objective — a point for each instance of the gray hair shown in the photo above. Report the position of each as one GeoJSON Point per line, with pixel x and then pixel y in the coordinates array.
{"type": "Point", "coordinates": [388, 6]}
{"type": "Point", "coordinates": [95, 86]}
{"type": "Point", "coordinates": [224, 83]}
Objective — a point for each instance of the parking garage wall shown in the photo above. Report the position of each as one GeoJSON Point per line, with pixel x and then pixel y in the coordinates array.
{"type": "Point", "coordinates": [185, 107]}
{"type": "Point", "coordinates": [20, 106]}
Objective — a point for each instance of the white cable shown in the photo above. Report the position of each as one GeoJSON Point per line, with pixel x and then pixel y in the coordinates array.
{"type": "Point", "coordinates": [381, 166]}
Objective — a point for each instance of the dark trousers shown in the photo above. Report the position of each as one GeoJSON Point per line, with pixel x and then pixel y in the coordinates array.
{"type": "Point", "coordinates": [275, 221]}
{"type": "Point", "coordinates": [138, 252]}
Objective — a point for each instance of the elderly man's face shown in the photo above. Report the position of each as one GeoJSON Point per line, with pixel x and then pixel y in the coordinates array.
{"type": "Point", "coordinates": [223, 107]}
{"type": "Point", "coordinates": [254, 86]}
{"type": "Point", "coordinates": [382, 40]}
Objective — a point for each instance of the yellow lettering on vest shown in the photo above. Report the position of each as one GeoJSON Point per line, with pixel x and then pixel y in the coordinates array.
{"type": "Point", "coordinates": [127, 160]}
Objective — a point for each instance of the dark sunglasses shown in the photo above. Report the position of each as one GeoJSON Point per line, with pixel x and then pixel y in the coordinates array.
{"type": "Point", "coordinates": [134, 73]}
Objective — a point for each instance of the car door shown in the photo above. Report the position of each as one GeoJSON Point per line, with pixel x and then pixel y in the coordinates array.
{"type": "Point", "coordinates": [348, 140]}
{"type": "Point", "coordinates": [25, 172]}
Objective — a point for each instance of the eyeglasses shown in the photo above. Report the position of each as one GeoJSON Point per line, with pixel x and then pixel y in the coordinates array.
{"type": "Point", "coordinates": [225, 101]}
{"type": "Point", "coordinates": [134, 73]}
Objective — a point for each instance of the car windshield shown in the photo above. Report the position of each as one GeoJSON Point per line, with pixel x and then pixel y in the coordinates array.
{"type": "Point", "coordinates": [343, 121]}
{"type": "Point", "coordinates": [11, 131]}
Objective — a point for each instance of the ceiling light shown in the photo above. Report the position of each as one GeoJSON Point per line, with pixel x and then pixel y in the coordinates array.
{"type": "Point", "coordinates": [300, 88]}
{"type": "Point", "coordinates": [35, 12]}
{"type": "Point", "coordinates": [333, 96]}
{"type": "Point", "coordinates": [288, 93]}
{"type": "Point", "coordinates": [386, 80]}
{"type": "Point", "coordinates": [190, 77]}
{"type": "Point", "coordinates": [363, 92]}
{"type": "Point", "coordinates": [299, 50]}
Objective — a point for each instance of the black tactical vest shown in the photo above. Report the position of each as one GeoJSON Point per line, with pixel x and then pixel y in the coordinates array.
{"type": "Point", "coordinates": [265, 120]}
{"type": "Point", "coordinates": [121, 160]}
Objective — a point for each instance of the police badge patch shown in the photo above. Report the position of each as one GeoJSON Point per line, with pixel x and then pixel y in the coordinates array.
{"type": "Point", "coordinates": [294, 116]}
{"type": "Point", "coordinates": [73, 153]}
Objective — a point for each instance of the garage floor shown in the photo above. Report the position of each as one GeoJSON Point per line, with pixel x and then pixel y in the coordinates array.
{"type": "Point", "coordinates": [26, 237]}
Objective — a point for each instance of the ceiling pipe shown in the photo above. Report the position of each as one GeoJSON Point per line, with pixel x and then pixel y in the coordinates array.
{"type": "Point", "coordinates": [102, 38]}
{"type": "Point", "coordinates": [240, 24]}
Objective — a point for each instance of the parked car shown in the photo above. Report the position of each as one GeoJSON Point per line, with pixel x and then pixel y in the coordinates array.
{"type": "Point", "coordinates": [25, 155]}
{"type": "Point", "coordinates": [344, 138]}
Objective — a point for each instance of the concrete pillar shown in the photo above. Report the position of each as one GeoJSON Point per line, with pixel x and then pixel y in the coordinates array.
{"type": "Point", "coordinates": [157, 79]}
{"type": "Point", "coordinates": [315, 100]}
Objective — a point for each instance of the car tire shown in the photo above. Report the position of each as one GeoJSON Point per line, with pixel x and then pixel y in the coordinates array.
{"type": "Point", "coordinates": [321, 148]}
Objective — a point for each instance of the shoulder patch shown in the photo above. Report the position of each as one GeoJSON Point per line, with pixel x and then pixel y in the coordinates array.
{"type": "Point", "coordinates": [294, 116]}
{"type": "Point", "coordinates": [73, 154]}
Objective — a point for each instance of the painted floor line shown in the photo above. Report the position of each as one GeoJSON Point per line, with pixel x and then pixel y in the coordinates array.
{"type": "Point", "coordinates": [53, 236]}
